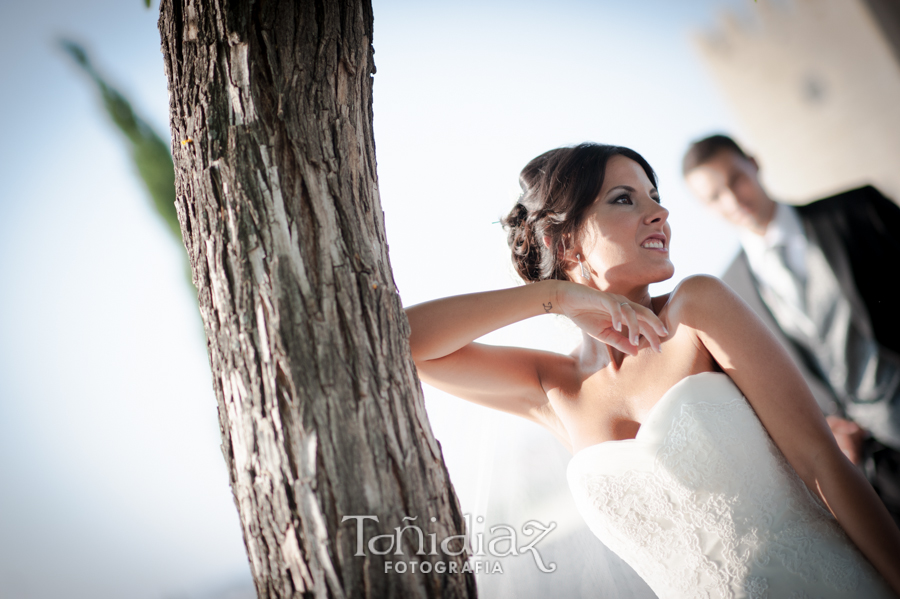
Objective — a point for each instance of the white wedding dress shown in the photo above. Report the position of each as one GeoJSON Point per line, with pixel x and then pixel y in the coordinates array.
{"type": "Point", "coordinates": [703, 504]}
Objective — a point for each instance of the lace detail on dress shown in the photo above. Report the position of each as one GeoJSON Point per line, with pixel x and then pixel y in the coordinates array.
{"type": "Point", "coordinates": [722, 508]}
{"type": "Point", "coordinates": [757, 587]}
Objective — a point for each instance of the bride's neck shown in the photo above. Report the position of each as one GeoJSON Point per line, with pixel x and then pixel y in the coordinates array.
{"type": "Point", "coordinates": [595, 354]}
{"type": "Point", "coordinates": [639, 295]}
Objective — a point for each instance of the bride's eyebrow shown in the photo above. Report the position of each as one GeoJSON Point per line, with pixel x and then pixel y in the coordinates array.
{"type": "Point", "coordinates": [618, 187]}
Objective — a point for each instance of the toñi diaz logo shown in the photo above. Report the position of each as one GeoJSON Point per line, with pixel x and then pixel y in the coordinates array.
{"type": "Point", "coordinates": [503, 542]}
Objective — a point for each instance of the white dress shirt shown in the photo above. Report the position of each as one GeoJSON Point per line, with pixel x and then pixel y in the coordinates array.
{"type": "Point", "coordinates": [784, 230]}
{"type": "Point", "coordinates": [778, 260]}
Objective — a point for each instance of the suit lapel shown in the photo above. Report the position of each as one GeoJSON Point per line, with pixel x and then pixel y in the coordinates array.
{"type": "Point", "coordinates": [826, 241]}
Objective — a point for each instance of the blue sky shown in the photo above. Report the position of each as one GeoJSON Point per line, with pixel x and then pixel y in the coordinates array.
{"type": "Point", "coordinates": [113, 483]}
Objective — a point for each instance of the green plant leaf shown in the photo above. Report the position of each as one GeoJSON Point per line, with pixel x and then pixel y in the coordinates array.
{"type": "Point", "coordinates": [149, 150]}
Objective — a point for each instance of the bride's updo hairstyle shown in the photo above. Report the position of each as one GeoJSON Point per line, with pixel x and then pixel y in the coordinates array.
{"type": "Point", "coordinates": [557, 188]}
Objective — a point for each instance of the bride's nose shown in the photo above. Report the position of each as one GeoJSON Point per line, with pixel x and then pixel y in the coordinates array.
{"type": "Point", "coordinates": [656, 213]}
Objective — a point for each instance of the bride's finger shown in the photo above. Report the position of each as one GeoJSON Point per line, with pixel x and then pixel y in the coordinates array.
{"type": "Point", "coordinates": [631, 319]}
{"type": "Point", "coordinates": [651, 337]}
{"type": "Point", "coordinates": [615, 314]}
{"type": "Point", "coordinates": [648, 316]}
{"type": "Point", "coordinates": [611, 337]}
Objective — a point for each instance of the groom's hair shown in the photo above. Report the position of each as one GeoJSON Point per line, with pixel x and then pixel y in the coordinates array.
{"type": "Point", "coordinates": [701, 151]}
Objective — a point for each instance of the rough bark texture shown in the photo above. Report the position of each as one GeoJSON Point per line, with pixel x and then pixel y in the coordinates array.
{"type": "Point", "coordinates": [320, 407]}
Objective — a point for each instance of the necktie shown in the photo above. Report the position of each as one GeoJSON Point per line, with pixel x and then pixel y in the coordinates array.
{"type": "Point", "coordinates": [785, 292]}
{"type": "Point", "coordinates": [782, 279]}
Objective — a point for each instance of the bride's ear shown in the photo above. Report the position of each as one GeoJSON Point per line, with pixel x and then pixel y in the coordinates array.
{"type": "Point", "coordinates": [566, 253]}
{"type": "Point", "coordinates": [560, 247]}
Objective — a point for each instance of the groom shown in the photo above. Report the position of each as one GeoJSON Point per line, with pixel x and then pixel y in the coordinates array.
{"type": "Point", "coordinates": [828, 274]}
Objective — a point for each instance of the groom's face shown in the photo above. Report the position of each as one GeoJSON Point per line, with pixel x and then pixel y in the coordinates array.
{"type": "Point", "coordinates": [728, 184]}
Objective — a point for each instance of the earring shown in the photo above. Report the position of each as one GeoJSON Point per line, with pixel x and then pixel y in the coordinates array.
{"type": "Point", "coordinates": [584, 272]}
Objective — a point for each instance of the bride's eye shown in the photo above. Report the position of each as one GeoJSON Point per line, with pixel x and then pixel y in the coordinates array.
{"type": "Point", "coordinates": [657, 199]}
{"type": "Point", "coordinates": [625, 197]}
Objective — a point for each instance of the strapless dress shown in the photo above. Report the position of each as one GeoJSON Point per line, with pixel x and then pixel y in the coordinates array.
{"type": "Point", "coordinates": [703, 504]}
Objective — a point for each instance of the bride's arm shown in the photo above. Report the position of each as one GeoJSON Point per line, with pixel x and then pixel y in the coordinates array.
{"type": "Point", "coordinates": [509, 378]}
{"type": "Point", "coordinates": [746, 350]}
{"type": "Point", "coordinates": [443, 326]}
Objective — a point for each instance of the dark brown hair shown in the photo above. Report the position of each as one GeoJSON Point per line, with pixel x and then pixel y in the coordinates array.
{"type": "Point", "coordinates": [557, 188]}
{"type": "Point", "coordinates": [701, 151]}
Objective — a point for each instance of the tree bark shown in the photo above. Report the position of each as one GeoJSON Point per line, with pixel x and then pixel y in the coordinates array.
{"type": "Point", "coordinates": [320, 407]}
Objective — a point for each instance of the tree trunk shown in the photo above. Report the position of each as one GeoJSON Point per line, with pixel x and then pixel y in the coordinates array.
{"type": "Point", "coordinates": [320, 408]}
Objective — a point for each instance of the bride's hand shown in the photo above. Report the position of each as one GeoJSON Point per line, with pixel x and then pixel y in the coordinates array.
{"type": "Point", "coordinates": [610, 318]}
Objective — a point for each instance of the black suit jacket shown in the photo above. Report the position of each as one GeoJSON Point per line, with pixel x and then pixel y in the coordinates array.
{"type": "Point", "coordinates": [862, 227]}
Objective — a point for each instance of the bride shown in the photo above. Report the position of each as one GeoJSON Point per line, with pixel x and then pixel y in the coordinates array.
{"type": "Point", "coordinates": [701, 457]}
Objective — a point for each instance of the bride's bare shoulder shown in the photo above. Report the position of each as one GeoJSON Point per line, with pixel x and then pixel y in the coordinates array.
{"type": "Point", "coordinates": [699, 286]}
{"type": "Point", "coordinates": [697, 295]}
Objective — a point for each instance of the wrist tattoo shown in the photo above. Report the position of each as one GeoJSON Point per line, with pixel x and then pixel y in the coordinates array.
{"type": "Point", "coordinates": [547, 307]}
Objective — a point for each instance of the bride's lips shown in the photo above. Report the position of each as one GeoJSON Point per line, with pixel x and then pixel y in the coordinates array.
{"type": "Point", "coordinates": [655, 242]}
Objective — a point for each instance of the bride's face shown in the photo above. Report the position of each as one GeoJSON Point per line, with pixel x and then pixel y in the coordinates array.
{"type": "Point", "coordinates": [625, 235]}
